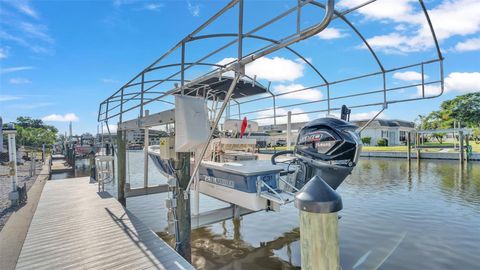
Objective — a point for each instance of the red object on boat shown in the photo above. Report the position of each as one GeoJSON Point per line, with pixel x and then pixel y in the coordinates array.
{"type": "Point", "coordinates": [244, 127]}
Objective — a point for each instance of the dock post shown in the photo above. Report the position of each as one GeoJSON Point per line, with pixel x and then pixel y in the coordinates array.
{"type": "Point", "coordinates": [122, 168]}
{"type": "Point", "coordinates": [12, 158]}
{"type": "Point", "coordinates": [409, 147]}
{"type": "Point", "coordinates": [319, 246]}
{"type": "Point", "coordinates": [145, 154]}
{"type": "Point", "coordinates": [183, 216]}
{"type": "Point", "coordinates": [93, 172]}
{"type": "Point", "coordinates": [467, 147]}
{"type": "Point", "coordinates": [462, 150]}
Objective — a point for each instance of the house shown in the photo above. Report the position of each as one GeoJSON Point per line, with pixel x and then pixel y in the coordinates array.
{"type": "Point", "coordinates": [395, 131]}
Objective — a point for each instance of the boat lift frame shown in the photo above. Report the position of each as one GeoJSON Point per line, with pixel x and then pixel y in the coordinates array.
{"type": "Point", "coordinates": [139, 91]}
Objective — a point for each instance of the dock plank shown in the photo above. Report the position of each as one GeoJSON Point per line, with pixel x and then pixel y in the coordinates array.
{"type": "Point", "coordinates": [75, 227]}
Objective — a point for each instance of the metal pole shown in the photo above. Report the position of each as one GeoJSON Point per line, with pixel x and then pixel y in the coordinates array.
{"type": "Point", "coordinates": [289, 129]}
{"type": "Point", "coordinates": [146, 143]}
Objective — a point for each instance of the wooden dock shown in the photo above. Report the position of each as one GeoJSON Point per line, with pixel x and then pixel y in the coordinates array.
{"type": "Point", "coordinates": [59, 164]}
{"type": "Point", "coordinates": [76, 227]}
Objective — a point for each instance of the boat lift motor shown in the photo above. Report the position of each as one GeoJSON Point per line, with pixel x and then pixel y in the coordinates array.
{"type": "Point", "coordinates": [326, 147]}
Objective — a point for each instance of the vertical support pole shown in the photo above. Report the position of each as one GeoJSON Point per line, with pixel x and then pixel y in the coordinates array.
{"type": "Point", "coordinates": [467, 144]}
{"type": "Point", "coordinates": [240, 30]}
{"type": "Point", "coordinates": [409, 147]}
{"type": "Point", "coordinates": [43, 153]}
{"type": "Point", "coordinates": [122, 168]}
{"type": "Point", "coordinates": [462, 150]}
{"type": "Point", "coordinates": [146, 143]}
{"type": "Point", "coordinates": [93, 169]}
{"type": "Point", "coordinates": [12, 158]}
{"type": "Point", "coordinates": [30, 173]}
{"type": "Point", "coordinates": [328, 98]}
{"type": "Point", "coordinates": [142, 86]}
{"type": "Point", "coordinates": [182, 67]}
{"type": "Point", "coordinates": [183, 216]}
{"type": "Point", "coordinates": [289, 129]}
{"type": "Point", "coordinates": [423, 81]}
{"type": "Point", "coordinates": [319, 246]}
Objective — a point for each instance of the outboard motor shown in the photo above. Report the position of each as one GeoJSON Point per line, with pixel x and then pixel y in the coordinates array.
{"type": "Point", "coordinates": [327, 147]}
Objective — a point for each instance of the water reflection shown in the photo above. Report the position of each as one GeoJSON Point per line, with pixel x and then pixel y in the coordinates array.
{"type": "Point", "coordinates": [397, 215]}
{"type": "Point", "coordinates": [227, 250]}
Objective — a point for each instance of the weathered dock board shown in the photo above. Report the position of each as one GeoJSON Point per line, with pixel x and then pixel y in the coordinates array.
{"type": "Point", "coordinates": [60, 165]}
{"type": "Point", "coordinates": [74, 227]}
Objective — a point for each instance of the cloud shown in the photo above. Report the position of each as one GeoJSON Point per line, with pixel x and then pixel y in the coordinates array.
{"type": "Point", "coordinates": [310, 94]}
{"type": "Point", "coordinates": [36, 31]}
{"type": "Point", "coordinates": [153, 6]}
{"type": "Point", "coordinates": [276, 69]}
{"type": "Point", "coordinates": [69, 117]}
{"type": "Point", "coordinates": [409, 76]}
{"type": "Point", "coordinates": [463, 82]}
{"type": "Point", "coordinates": [450, 18]}
{"type": "Point", "coordinates": [8, 98]}
{"type": "Point", "coordinates": [19, 81]}
{"type": "Point", "coordinates": [193, 9]}
{"type": "Point", "coordinates": [107, 80]}
{"type": "Point", "coordinates": [14, 69]}
{"type": "Point", "coordinates": [297, 116]}
{"type": "Point", "coordinates": [460, 82]}
{"type": "Point", "coordinates": [24, 7]}
{"type": "Point", "coordinates": [472, 44]}
{"type": "Point", "coordinates": [18, 28]}
{"type": "Point", "coordinates": [3, 53]}
{"type": "Point", "coordinates": [331, 33]}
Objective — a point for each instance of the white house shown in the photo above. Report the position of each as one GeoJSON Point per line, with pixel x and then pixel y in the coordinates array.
{"type": "Point", "coordinates": [395, 131]}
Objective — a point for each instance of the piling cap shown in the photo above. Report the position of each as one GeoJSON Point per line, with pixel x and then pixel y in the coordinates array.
{"type": "Point", "coordinates": [318, 197]}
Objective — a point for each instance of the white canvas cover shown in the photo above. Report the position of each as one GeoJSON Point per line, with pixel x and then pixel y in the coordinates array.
{"type": "Point", "coordinates": [191, 123]}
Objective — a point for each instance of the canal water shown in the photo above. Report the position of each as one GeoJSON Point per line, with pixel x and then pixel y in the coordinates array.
{"type": "Point", "coordinates": [395, 216]}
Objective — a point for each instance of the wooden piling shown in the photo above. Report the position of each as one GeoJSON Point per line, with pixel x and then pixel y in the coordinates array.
{"type": "Point", "coordinates": [462, 150]}
{"type": "Point", "coordinates": [122, 166]}
{"type": "Point", "coordinates": [467, 147]}
{"type": "Point", "coordinates": [319, 240]}
{"type": "Point", "coordinates": [319, 246]}
{"type": "Point", "coordinates": [183, 215]}
{"type": "Point", "coordinates": [409, 147]}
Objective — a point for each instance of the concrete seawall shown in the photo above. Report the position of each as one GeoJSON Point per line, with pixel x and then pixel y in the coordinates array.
{"type": "Point", "coordinates": [423, 155]}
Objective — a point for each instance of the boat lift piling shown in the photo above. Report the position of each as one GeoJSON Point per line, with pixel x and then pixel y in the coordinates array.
{"type": "Point", "coordinates": [319, 246]}
{"type": "Point", "coordinates": [122, 166]}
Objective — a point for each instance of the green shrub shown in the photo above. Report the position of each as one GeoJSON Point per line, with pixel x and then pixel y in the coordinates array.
{"type": "Point", "coordinates": [382, 142]}
{"type": "Point", "coordinates": [367, 140]}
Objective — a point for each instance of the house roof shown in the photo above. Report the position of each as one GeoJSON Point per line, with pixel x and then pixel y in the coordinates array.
{"type": "Point", "coordinates": [386, 123]}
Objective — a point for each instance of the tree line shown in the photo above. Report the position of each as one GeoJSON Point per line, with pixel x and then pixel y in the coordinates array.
{"type": "Point", "coordinates": [464, 110]}
{"type": "Point", "coordinates": [34, 132]}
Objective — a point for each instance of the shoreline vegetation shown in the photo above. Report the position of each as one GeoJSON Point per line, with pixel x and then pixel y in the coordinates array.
{"type": "Point", "coordinates": [402, 148]}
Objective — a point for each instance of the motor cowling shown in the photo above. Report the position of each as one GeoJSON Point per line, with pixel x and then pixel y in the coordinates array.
{"type": "Point", "coordinates": [329, 148]}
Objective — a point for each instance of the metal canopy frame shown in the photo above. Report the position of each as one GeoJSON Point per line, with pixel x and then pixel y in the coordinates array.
{"type": "Point", "coordinates": [121, 101]}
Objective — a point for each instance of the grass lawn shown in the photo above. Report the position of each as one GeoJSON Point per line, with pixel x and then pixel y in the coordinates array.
{"type": "Point", "coordinates": [400, 148]}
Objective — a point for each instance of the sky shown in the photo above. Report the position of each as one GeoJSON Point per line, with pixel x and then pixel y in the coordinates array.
{"type": "Point", "coordinates": [60, 59]}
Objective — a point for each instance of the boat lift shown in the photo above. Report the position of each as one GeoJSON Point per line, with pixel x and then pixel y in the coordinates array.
{"type": "Point", "coordinates": [226, 87]}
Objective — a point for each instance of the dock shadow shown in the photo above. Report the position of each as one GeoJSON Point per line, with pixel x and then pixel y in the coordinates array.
{"type": "Point", "coordinates": [142, 237]}
{"type": "Point", "coordinates": [104, 195]}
